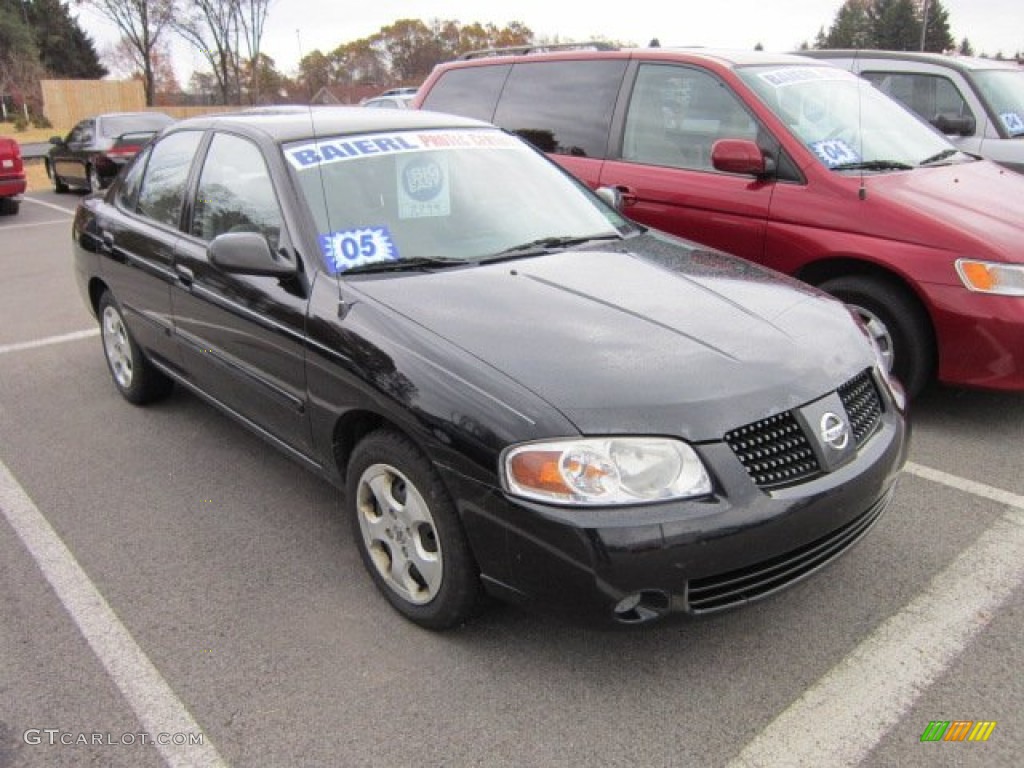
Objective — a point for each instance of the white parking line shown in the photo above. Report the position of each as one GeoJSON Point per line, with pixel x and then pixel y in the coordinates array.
{"type": "Point", "coordinates": [158, 708]}
{"type": "Point", "coordinates": [60, 208]}
{"type": "Point", "coordinates": [22, 345]}
{"type": "Point", "coordinates": [866, 694]}
{"type": "Point", "coordinates": [16, 227]}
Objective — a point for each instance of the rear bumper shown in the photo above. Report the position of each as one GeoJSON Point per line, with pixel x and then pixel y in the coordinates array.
{"type": "Point", "coordinates": [12, 187]}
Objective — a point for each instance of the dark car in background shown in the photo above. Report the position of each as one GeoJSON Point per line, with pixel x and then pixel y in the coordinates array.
{"type": "Point", "coordinates": [518, 390]}
{"type": "Point", "coordinates": [794, 164]}
{"type": "Point", "coordinates": [977, 103]}
{"type": "Point", "coordinates": [12, 176]}
{"type": "Point", "coordinates": [96, 149]}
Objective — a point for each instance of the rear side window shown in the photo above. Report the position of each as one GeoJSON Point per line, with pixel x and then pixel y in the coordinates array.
{"type": "Point", "coordinates": [163, 186]}
{"type": "Point", "coordinates": [562, 107]}
{"type": "Point", "coordinates": [470, 92]}
{"type": "Point", "coordinates": [128, 192]}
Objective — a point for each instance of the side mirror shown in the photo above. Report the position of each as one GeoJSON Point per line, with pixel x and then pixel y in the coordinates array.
{"type": "Point", "coordinates": [612, 196]}
{"type": "Point", "coordinates": [955, 125]}
{"type": "Point", "coordinates": [739, 156]}
{"type": "Point", "coordinates": [56, 141]}
{"type": "Point", "coordinates": [247, 253]}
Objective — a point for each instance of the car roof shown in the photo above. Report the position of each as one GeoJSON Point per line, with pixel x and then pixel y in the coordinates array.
{"type": "Point", "coordinates": [960, 63]}
{"type": "Point", "coordinates": [727, 57]}
{"type": "Point", "coordinates": [293, 123]}
{"type": "Point", "coordinates": [153, 113]}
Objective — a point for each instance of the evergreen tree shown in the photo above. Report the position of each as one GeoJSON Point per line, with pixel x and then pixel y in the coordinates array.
{"type": "Point", "coordinates": [852, 28]}
{"type": "Point", "coordinates": [897, 26]}
{"type": "Point", "coordinates": [937, 36]}
{"type": "Point", "coordinates": [65, 50]}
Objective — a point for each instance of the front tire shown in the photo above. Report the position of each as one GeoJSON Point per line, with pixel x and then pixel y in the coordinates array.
{"type": "Point", "coordinates": [896, 321]}
{"type": "Point", "coordinates": [133, 375]}
{"type": "Point", "coordinates": [409, 534]}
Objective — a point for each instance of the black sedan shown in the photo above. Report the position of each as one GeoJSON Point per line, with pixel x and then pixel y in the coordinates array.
{"type": "Point", "coordinates": [518, 391]}
{"type": "Point", "coordinates": [96, 149]}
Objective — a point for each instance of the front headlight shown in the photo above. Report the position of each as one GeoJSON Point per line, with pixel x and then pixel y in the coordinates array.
{"type": "Point", "coordinates": [614, 470]}
{"type": "Point", "coordinates": [991, 277]}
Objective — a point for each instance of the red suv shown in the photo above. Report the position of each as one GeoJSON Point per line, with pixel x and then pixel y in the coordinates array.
{"type": "Point", "coordinates": [791, 163]}
{"type": "Point", "coordinates": [12, 176]}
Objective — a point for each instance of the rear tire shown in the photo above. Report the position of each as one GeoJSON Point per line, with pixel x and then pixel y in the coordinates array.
{"type": "Point", "coordinates": [9, 206]}
{"type": "Point", "coordinates": [897, 322]}
{"type": "Point", "coordinates": [133, 375]}
{"type": "Point", "coordinates": [58, 185]}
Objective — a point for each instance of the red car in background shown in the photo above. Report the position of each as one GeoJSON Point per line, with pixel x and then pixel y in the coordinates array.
{"type": "Point", "coordinates": [12, 176]}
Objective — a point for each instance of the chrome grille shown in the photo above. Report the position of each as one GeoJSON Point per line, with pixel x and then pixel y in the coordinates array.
{"type": "Point", "coordinates": [774, 451]}
{"type": "Point", "coordinates": [863, 405]}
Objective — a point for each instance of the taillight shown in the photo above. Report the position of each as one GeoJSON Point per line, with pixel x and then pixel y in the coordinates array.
{"type": "Point", "coordinates": [126, 152]}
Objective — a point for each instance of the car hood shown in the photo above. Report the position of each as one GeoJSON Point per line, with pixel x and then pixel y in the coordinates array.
{"type": "Point", "coordinates": [963, 207]}
{"type": "Point", "coordinates": [653, 335]}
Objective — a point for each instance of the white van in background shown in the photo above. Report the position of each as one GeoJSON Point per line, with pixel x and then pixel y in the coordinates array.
{"type": "Point", "coordinates": [977, 103]}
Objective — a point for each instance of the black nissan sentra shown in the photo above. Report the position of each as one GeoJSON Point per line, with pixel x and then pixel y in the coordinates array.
{"type": "Point", "coordinates": [518, 391]}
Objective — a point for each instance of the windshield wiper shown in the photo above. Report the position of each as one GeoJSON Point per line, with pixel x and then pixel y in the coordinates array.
{"type": "Point", "coordinates": [403, 265]}
{"type": "Point", "coordinates": [545, 244]}
{"type": "Point", "coordinates": [934, 159]}
{"type": "Point", "coordinates": [873, 165]}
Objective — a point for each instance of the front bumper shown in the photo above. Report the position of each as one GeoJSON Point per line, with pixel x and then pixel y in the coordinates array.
{"type": "Point", "coordinates": [637, 563]}
{"type": "Point", "coordinates": [980, 338]}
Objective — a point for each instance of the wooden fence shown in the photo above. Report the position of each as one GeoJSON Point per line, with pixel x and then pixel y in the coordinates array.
{"type": "Point", "coordinates": [65, 102]}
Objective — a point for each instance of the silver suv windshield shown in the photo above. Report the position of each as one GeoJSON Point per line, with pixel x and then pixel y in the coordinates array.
{"type": "Point", "coordinates": [1003, 90]}
{"type": "Point", "coordinates": [437, 196]}
{"type": "Point", "coordinates": [844, 120]}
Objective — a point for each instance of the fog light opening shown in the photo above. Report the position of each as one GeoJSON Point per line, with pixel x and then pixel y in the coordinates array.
{"type": "Point", "coordinates": [640, 607]}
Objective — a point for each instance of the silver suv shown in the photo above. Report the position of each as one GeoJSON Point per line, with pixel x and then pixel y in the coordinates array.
{"type": "Point", "coordinates": [977, 103]}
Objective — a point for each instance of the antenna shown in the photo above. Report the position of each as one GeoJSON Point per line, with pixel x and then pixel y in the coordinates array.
{"type": "Point", "coordinates": [862, 191]}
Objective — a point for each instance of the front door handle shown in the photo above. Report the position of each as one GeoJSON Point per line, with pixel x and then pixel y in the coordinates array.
{"type": "Point", "coordinates": [629, 196]}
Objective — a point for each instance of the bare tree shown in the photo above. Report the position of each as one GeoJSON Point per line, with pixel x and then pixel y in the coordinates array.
{"type": "Point", "coordinates": [252, 18]}
{"type": "Point", "coordinates": [211, 27]}
{"type": "Point", "coordinates": [141, 23]}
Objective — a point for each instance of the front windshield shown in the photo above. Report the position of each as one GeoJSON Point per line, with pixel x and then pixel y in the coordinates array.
{"type": "Point", "coordinates": [1003, 91]}
{"type": "Point", "coordinates": [844, 120]}
{"type": "Point", "coordinates": [438, 195]}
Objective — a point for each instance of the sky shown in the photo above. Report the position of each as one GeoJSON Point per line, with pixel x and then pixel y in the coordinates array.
{"type": "Point", "coordinates": [298, 27]}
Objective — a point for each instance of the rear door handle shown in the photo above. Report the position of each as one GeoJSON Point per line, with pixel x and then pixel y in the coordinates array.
{"type": "Point", "coordinates": [185, 274]}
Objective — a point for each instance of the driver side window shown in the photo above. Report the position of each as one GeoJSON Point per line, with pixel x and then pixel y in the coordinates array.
{"type": "Point", "coordinates": [235, 192]}
{"type": "Point", "coordinates": [677, 113]}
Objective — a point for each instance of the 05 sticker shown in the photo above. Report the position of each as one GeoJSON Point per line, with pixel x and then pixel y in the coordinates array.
{"type": "Point", "coordinates": [349, 248]}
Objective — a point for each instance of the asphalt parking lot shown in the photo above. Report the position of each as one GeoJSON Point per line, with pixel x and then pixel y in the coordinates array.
{"type": "Point", "coordinates": [170, 578]}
